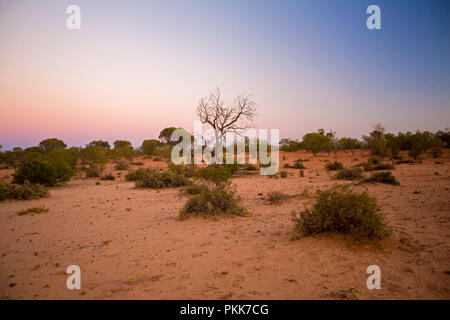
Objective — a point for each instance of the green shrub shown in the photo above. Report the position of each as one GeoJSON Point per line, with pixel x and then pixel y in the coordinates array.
{"type": "Point", "coordinates": [378, 166]}
{"type": "Point", "coordinates": [332, 166]}
{"type": "Point", "coordinates": [384, 177]}
{"type": "Point", "coordinates": [415, 151]}
{"type": "Point", "coordinates": [108, 176]}
{"type": "Point", "coordinates": [25, 191]}
{"type": "Point", "coordinates": [377, 143]}
{"type": "Point", "coordinates": [161, 179]}
{"type": "Point", "coordinates": [302, 174]}
{"type": "Point", "coordinates": [35, 172]}
{"type": "Point", "coordinates": [251, 167]}
{"type": "Point", "coordinates": [3, 188]}
{"type": "Point", "coordinates": [93, 171]}
{"type": "Point", "coordinates": [215, 201]}
{"type": "Point", "coordinates": [349, 174]}
{"type": "Point", "coordinates": [318, 141]}
{"type": "Point", "coordinates": [283, 174]}
{"type": "Point", "coordinates": [214, 174]}
{"type": "Point", "coordinates": [135, 175]}
{"type": "Point", "coordinates": [196, 188]}
{"type": "Point", "coordinates": [122, 165]}
{"type": "Point", "coordinates": [436, 151]}
{"type": "Point", "coordinates": [344, 211]}
{"type": "Point", "coordinates": [374, 160]}
{"type": "Point", "coordinates": [149, 147]}
{"type": "Point", "coordinates": [298, 165]}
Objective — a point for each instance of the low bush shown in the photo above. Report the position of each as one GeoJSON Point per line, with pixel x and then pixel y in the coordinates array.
{"type": "Point", "coordinates": [234, 167]}
{"type": "Point", "coordinates": [161, 179]}
{"type": "Point", "coordinates": [93, 171]}
{"type": "Point", "coordinates": [343, 211]}
{"type": "Point", "coordinates": [332, 166]}
{"type": "Point", "coordinates": [214, 174]}
{"type": "Point", "coordinates": [298, 165]}
{"type": "Point", "coordinates": [283, 174]}
{"type": "Point", "coordinates": [48, 169]}
{"type": "Point", "coordinates": [40, 209]}
{"type": "Point", "coordinates": [374, 160]}
{"type": "Point", "coordinates": [136, 174]}
{"type": "Point", "coordinates": [215, 201]}
{"type": "Point", "coordinates": [436, 151]}
{"type": "Point", "coordinates": [25, 191]}
{"type": "Point", "coordinates": [379, 166]}
{"type": "Point", "coordinates": [251, 167]}
{"type": "Point", "coordinates": [122, 165]}
{"type": "Point", "coordinates": [108, 176]}
{"type": "Point", "coordinates": [35, 172]}
{"type": "Point", "coordinates": [3, 189]}
{"type": "Point", "coordinates": [195, 188]}
{"type": "Point", "coordinates": [384, 177]}
{"type": "Point", "coordinates": [349, 174]}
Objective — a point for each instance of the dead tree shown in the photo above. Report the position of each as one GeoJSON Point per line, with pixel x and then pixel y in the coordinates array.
{"type": "Point", "coordinates": [232, 118]}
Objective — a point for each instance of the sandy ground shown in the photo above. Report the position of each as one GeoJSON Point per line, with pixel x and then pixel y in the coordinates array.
{"type": "Point", "coordinates": [129, 243]}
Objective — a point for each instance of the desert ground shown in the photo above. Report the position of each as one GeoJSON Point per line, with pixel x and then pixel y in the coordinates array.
{"type": "Point", "coordinates": [130, 244]}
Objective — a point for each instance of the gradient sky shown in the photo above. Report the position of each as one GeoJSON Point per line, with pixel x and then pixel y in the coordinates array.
{"type": "Point", "coordinates": [136, 67]}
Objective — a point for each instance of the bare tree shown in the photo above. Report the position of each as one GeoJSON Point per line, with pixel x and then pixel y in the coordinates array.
{"type": "Point", "coordinates": [378, 127]}
{"type": "Point", "coordinates": [234, 117]}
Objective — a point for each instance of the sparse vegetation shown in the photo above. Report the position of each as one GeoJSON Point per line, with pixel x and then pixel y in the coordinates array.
{"type": "Point", "coordinates": [26, 191]}
{"type": "Point", "coordinates": [122, 165]}
{"type": "Point", "coordinates": [283, 174]}
{"type": "Point", "coordinates": [136, 174]}
{"type": "Point", "coordinates": [40, 209]}
{"type": "Point", "coordinates": [213, 195]}
{"type": "Point", "coordinates": [214, 174]}
{"type": "Point", "coordinates": [213, 201]}
{"type": "Point", "coordinates": [93, 171]}
{"type": "Point", "coordinates": [45, 173]}
{"type": "Point", "coordinates": [108, 176]}
{"type": "Point", "coordinates": [332, 166]}
{"type": "Point", "coordinates": [275, 197]}
{"type": "Point", "coordinates": [343, 211]}
{"type": "Point", "coordinates": [384, 177]}
{"type": "Point", "coordinates": [375, 163]}
{"type": "Point", "coordinates": [154, 179]}
{"type": "Point", "coordinates": [349, 174]}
